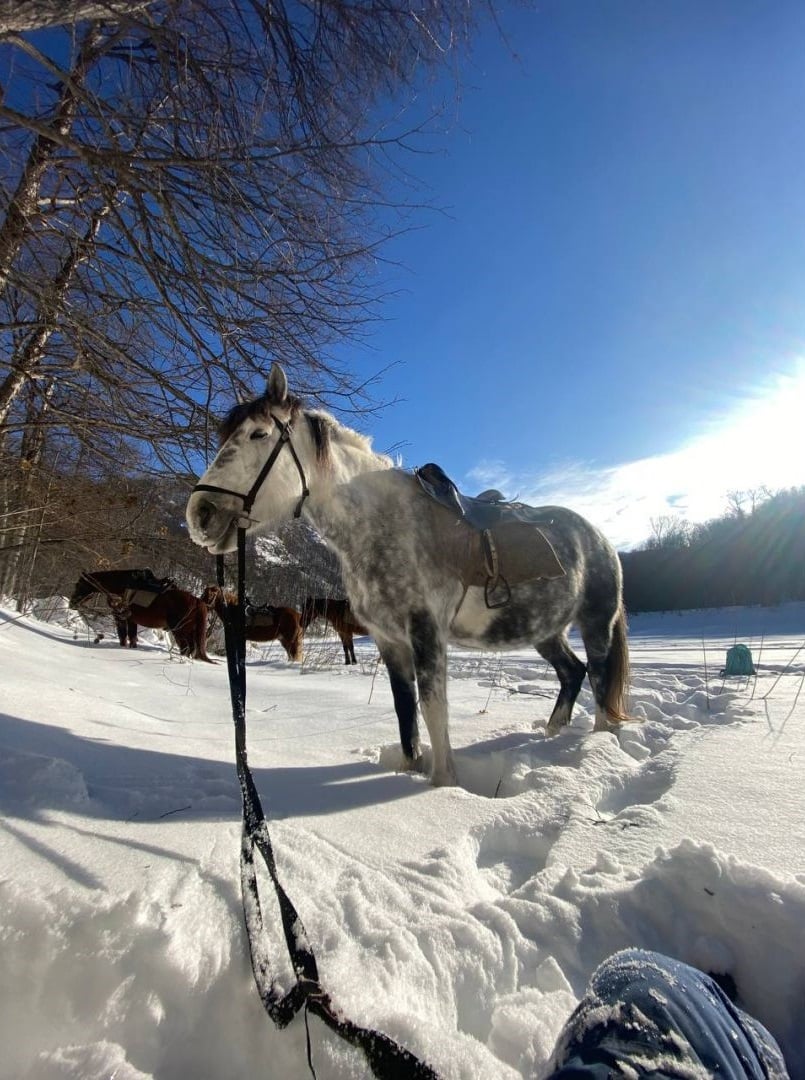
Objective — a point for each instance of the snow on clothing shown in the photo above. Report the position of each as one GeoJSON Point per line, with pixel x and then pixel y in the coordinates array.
{"type": "Point", "coordinates": [646, 1014]}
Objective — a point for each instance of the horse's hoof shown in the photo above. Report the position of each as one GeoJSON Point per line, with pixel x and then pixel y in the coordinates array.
{"type": "Point", "coordinates": [408, 764]}
{"type": "Point", "coordinates": [444, 778]}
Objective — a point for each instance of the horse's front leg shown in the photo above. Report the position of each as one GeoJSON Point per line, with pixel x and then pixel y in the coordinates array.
{"type": "Point", "coordinates": [400, 666]}
{"type": "Point", "coordinates": [430, 664]}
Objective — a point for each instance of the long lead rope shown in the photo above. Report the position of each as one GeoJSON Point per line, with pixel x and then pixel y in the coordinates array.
{"type": "Point", "coordinates": [386, 1058]}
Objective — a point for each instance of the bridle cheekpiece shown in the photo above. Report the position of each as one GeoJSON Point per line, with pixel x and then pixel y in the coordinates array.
{"type": "Point", "coordinates": [248, 499]}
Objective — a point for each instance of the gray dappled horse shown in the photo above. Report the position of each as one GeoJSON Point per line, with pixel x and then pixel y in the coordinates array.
{"type": "Point", "coordinates": [396, 546]}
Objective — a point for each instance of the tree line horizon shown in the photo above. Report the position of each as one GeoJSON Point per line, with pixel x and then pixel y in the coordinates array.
{"type": "Point", "coordinates": [754, 553]}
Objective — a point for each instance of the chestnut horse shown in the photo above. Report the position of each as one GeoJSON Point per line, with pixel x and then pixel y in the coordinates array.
{"type": "Point", "coordinates": [339, 615]}
{"type": "Point", "coordinates": [134, 601]}
{"type": "Point", "coordinates": [264, 623]}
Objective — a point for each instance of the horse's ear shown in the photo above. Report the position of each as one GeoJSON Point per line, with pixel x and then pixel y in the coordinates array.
{"type": "Point", "coordinates": [277, 389]}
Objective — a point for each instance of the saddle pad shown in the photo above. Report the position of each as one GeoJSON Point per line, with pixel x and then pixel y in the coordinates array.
{"type": "Point", "coordinates": [261, 619]}
{"type": "Point", "coordinates": [140, 597]}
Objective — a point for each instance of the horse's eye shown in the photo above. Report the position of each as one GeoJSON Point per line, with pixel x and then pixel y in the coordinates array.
{"type": "Point", "coordinates": [259, 435]}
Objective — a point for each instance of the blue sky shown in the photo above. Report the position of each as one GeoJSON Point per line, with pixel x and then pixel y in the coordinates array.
{"type": "Point", "coordinates": [611, 311]}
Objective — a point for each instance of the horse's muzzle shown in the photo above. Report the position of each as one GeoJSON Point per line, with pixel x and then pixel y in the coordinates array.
{"type": "Point", "coordinates": [210, 525]}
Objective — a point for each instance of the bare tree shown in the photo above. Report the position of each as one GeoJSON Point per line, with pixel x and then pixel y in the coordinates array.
{"type": "Point", "coordinates": [18, 15]}
{"type": "Point", "coordinates": [668, 531]}
{"type": "Point", "coordinates": [743, 503]}
{"type": "Point", "coordinates": [188, 190]}
{"type": "Point", "coordinates": [241, 139]}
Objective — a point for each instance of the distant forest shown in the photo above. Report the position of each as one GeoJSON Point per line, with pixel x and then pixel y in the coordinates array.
{"type": "Point", "coordinates": [754, 554]}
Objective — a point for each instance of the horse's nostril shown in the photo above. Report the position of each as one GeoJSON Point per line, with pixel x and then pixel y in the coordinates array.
{"type": "Point", "coordinates": [205, 513]}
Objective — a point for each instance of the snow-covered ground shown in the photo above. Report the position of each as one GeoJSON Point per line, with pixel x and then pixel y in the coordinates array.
{"type": "Point", "coordinates": [464, 922]}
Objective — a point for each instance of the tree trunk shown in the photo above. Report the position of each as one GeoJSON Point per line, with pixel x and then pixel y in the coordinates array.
{"type": "Point", "coordinates": [17, 15]}
{"type": "Point", "coordinates": [25, 363]}
{"type": "Point", "coordinates": [22, 207]}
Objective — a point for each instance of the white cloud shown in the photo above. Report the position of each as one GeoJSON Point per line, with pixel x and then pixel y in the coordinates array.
{"type": "Point", "coordinates": [762, 442]}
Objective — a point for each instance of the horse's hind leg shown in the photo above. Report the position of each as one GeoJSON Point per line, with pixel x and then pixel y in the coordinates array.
{"type": "Point", "coordinates": [131, 630]}
{"type": "Point", "coordinates": [570, 672]}
{"type": "Point", "coordinates": [345, 647]}
{"type": "Point", "coordinates": [349, 649]}
{"type": "Point", "coordinates": [400, 667]}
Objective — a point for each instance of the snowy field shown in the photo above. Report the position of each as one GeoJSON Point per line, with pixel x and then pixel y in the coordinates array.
{"type": "Point", "coordinates": [464, 922]}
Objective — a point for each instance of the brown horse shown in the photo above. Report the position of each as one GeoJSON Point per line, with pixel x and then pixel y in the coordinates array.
{"type": "Point", "coordinates": [283, 624]}
{"type": "Point", "coordinates": [137, 598]}
{"type": "Point", "coordinates": [339, 615]}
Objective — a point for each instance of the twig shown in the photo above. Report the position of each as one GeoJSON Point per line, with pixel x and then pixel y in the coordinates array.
{"type": "Point", "coordinates": [494, 685]}
{"type": "Point", "coordinates": [178, 810]}
{"type": "Point", "coordinates": [374, 676]}
{"type": "Point", "coordinates": [785, 669]}
{"type": "Point", "coordinates": [757, 665]}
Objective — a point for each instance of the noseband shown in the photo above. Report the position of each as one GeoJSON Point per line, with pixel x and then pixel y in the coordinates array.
{"type": "Point", "coordinates": [251, 495]}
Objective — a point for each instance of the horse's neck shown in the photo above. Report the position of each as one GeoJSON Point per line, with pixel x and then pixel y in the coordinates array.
{"type": "Point", "coordinates": [331, 505]}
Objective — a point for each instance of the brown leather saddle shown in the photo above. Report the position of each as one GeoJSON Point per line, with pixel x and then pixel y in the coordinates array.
{"type": "Point", "coordinates": [141, 591]}
{"type": "Point", "coordinates": [497, 543]}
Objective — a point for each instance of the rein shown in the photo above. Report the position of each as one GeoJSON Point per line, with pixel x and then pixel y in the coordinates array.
{"type": "Point", "coordinates": [251, 495]}
{"type": "Point", "coordinates": [386, 1058]}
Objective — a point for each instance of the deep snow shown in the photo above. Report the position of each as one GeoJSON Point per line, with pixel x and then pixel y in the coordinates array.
{"type": "Point", "coordinates": [464, 922]}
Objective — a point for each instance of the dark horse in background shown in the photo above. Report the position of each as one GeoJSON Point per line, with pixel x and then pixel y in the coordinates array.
{"type": "Point", "coordinates": [266, 623]}
{"type": "Point", "coordinates": [339, 615]}
{"type": "Point", "coordinates": [136, 598]}
{"type": "Point", "coordinates": [410, 566]}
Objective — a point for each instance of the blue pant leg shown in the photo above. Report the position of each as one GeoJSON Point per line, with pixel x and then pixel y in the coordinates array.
{"type": "Point", "coordinates": [661, 1018]}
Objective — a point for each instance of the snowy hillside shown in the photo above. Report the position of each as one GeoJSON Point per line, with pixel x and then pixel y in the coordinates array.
{"type": "Point", "coordinates": [464, 922]}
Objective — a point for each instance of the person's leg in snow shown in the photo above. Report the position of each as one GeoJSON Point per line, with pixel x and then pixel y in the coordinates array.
{"type": "Point", "coordinates": [646, 1014]}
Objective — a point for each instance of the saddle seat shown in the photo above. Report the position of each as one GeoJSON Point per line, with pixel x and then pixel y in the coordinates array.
{"type": "Point", "coordinates": [141, 590]}
{"type": "Point", "coordinates": [260, 615]}
{"type": "Point", "coordinates": [498, 543]}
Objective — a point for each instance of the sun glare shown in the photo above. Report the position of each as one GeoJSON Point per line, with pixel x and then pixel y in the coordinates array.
{"type": "Point", "coordinates": [759, 442]}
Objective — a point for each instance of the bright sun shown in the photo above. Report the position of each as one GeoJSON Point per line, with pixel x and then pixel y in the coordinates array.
{"type": "Point", "coordinates": [758, 442]}
{"type": "Point", "coordinates": [761, 442]}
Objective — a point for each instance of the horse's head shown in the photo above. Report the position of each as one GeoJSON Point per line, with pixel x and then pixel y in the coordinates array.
{"type": "Point", "coordinates": [218, 599]}
{"type": "Point", "coordinates": [256, 479]}
{"type": "Point", "coordinates": [210, 595]}
{"type": "Point", "coordinates": [84, 587]}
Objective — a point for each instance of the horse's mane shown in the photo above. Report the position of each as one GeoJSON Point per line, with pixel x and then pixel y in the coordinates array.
{"type": "Point", "coordinates": [257, 408]}
{"type": "Point", "coordinates": [324, 428]}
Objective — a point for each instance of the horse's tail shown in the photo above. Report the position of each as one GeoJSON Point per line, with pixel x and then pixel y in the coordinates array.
{"type": "Point", "coordinates": [296, 646]}
{"type": "Point", "coordinates": [293, 637]}
{"type": "Point", "coordinates": [200, 627]}
{"type": "Point", "coordinates": [617, 672]}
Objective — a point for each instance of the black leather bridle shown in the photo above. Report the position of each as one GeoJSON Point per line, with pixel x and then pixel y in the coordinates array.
{"type": "Point", "coordinates": [251, 495]}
